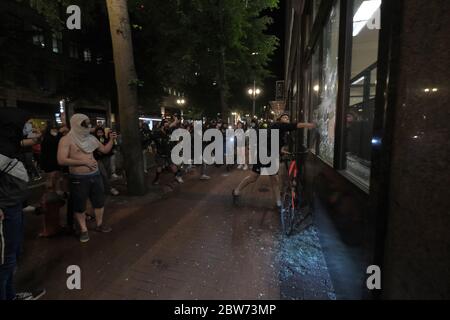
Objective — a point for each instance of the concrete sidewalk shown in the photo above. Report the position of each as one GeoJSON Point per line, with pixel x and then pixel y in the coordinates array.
{"type": "Point", "coordinates": [183, 242]}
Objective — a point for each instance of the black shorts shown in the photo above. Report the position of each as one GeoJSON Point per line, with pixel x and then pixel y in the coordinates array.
{"type": "Point", "coordinates": [87, 187]}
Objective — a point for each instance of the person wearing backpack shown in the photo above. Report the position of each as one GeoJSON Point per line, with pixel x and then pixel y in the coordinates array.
{"type": "Point", "coordinates": [13, 192]}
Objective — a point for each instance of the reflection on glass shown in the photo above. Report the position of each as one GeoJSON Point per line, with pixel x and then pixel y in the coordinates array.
{"type": "Point", "coordinates": [315, 94]}
{"type": "Point", "coordinates": [325, 88]}
{"type": "Point", "coordinates": [306, 89]}
{"type": "Point", "coordinates": [360, 110]}
{"type": "Point", "coordinates": [316, 6]}
{"type": "Point", "coordinates": [366, 14]}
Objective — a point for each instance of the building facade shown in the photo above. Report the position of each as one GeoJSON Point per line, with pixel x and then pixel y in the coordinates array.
{"type": "Point", "coordinates": [373, 76]}
{"type": "Point", "coordinates": [48, 69]}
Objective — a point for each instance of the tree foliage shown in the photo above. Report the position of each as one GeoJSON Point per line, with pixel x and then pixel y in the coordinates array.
{"type": "Point", "coordinates": [200, 47]}
{"type": "Point", "coordinates": [179, 43]}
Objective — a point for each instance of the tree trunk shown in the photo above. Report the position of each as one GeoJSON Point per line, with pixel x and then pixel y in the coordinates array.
{"type": "Point", "coordinates": [127, 95]}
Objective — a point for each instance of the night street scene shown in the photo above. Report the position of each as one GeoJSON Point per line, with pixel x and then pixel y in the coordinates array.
{"type": "Point", "coordinates": [247, 154]}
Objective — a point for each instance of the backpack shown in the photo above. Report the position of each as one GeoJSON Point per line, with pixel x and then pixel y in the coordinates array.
{"type": "Point", "coordinates": [12, 189]}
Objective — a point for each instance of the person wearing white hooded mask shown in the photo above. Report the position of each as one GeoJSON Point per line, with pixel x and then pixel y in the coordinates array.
{"type": "Point", "coordinates": [76, 151]}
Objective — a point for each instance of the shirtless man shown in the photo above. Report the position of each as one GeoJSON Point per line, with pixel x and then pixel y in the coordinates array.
{"type": "Point", "coordinates": [76, 151]}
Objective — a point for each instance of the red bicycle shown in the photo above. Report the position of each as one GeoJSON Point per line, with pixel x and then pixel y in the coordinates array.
{"type": "Point", "coordinates": [292, 201]}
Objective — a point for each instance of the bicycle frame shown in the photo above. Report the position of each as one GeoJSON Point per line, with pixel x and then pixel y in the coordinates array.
{"type": "Point", "coordinates": [291, 195]}
{"type": "Point", "coordinates": [292, 174]}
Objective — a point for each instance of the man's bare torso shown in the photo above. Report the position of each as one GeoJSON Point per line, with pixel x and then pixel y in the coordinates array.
{"type": "Point", "coordinates": [76, 153]}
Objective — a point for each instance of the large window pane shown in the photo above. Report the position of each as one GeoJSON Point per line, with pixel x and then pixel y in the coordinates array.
{"type": "Point", "coordinates": [314, 98]}
{"type": "Point", "coordinates": [360, 110]}
{"type": "Point", "coordinates": [325, 87]}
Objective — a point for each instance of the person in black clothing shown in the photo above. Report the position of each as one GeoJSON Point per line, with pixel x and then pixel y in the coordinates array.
{"type": "Point", "coordinates": [284, 126]}
{"type": "Point", "coordinates": [163, 145]}
{"type": "Point", "coordinates": [49, 151]}
{"type": "Point", "coordinates": [145, 141]}
{"type": "Point", "coordinates": [104, 162]}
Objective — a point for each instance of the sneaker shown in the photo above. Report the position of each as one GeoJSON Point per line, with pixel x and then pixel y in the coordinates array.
{"type": "Point", "coordinates": [29, 209]}
{"type": "Point", "coordinates": [115, 176]}
{"type": "Point", "coordinates": [240, 167]}
{"type": "Point", "coordinates": [179, 180]}
{"type": "Point", "coordinates": [114, 192]}
{"type": "Point", "coordinates": [103, 229]}
{"type": "Point", "coordinates": [205, 177]}
{"type": "Point", "coordinates": [35, 295]}
{"type": "Point", "coordinates": [245, 168]}
{"type": "Point", "coordinates": [84, 237]}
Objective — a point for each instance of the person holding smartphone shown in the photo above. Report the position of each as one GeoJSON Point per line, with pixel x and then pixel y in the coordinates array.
{"type": "Point", "coordinates": [76, 151]}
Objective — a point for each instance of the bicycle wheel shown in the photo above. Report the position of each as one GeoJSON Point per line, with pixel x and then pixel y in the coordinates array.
{"type": "Point", "coordinates": [287, 214]}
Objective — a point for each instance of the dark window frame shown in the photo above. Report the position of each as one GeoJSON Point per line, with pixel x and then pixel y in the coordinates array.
{"type": "Point", "coordinates": [57, 36]}
{"type": "Point", "coordinates": [38, 36]}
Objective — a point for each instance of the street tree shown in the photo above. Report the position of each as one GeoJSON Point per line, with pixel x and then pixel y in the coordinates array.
{"type": "Point", "coordinates": [127, 83]}
{"type": "Point", "coordinates": [125, 75]}
{"type": "Point", "coordinates": [206, 48]}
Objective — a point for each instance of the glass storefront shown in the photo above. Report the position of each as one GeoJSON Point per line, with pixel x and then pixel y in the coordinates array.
{"type": "Point", "coordinates": [361, 102]}
{"type": "Point", "coordinates": [325, 87]}
{"type": "Point", "coordinates": [320, 86]}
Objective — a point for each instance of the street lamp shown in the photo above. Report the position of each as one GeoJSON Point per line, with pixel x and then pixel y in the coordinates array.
{"type": "Point", "coordinates": [181, 103]}
{"type": "Point", "coordinates": [254, 93]}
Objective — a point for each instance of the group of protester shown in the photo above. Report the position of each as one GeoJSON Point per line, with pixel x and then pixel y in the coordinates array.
{"type": "Point", "coordinates": [158, 143]}
{"type": "Point", "coordinates": [78, 165]}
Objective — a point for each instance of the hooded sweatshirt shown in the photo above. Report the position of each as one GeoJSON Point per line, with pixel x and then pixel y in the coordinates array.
{"type": "Point", "coordinates": [12, 122]}
{"type": "Point", "coordinates": [13, 175]}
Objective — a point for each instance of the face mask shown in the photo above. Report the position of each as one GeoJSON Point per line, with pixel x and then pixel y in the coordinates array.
{"type": "Point", "coordinates": [28, 128]}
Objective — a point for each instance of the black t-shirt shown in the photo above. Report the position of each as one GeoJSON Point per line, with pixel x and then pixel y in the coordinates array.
{"type": "Point", "coordinates": [12, 121]}
{"type": "Point", "coordinates": [162, 142]}
{"type": "Point", "coordinates": [285, 129]}
{"type": "Point", "coordinates": [145, 137]}
{"type": "Point", "coordinates": [49, 151]}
